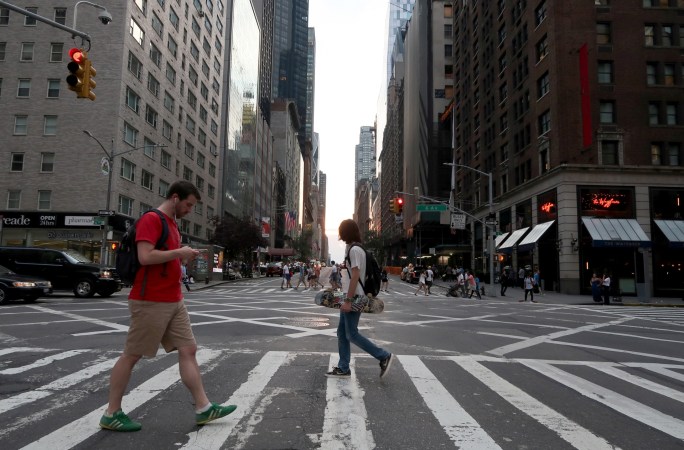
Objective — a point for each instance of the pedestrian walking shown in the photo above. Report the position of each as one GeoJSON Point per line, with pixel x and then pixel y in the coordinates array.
{"type": "Point", "coordinates": [333, 276]}
{"type": "Point", "coordinates": [596, 282]}
{"type": "Point", "coordinates": [303, 272]}
{"type": "Point", "coordinates": [429, 277]}
{"type": "Point", "coordinates": [347, 329]}
{"type": "Point", "coordinates": [537, 282]}
{"type": "Point", "coordinates": [503, 280]}
{"type": "Point", "coordinates": [285, 281]}
{"type": "Point", "coordinates": [528, 285]}
{"type": "Point", "coordinates": [605, 288]}
{"type": "Point", "coordinates": [521, 278]}
{"type": "Point", "coordinates": [184, 276]}
{"type": "Point", "coordinates": [421, 283]}
{"type": "Point", "coordinates": [473, 287]}
{"type": "Point", "coordinates": [461, 281]}
{"type": "Point", "coordinates": [158, 313]}
{"type": "Point", "coordinates": [384, 280]}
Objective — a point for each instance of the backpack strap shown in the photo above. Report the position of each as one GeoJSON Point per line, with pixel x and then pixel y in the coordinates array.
{"type": "Point", "coordinates": [161, 243]}
{"type": "Point", "coordinates": [346, 258]}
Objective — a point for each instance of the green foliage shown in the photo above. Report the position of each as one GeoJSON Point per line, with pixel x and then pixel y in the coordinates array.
{"type": "Point", "coordinates": [239, 237]}
{"type": "Point", "coordinates": [302, 245]}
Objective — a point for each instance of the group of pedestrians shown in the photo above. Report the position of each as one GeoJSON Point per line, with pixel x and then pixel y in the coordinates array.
{"type": "Point", "coordinates": [309, 275]}
{"type": "Point", "coordinates": [524, 278]}
{"type": "Point", "coordinates": [600, 287]}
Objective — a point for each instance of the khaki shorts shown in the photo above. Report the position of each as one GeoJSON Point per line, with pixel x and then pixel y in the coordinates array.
{"type": "Point", "coordinates": [154, 323]}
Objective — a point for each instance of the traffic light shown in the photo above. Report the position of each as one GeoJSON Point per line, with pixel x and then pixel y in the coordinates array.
{"type": "Point", "coordinates": [114, 246]}
{"type": "Point", "coordinates": [81, 74]}
{"type": "Point", "coordinates": [393, 206]}
{"type": "Point", "coordinates": [399, 202]}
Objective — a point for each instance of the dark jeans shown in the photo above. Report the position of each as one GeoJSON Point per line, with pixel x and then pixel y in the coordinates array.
{"type": "Point", "coordinates": [531, 291]}
{"type": "Point", "coordinates": [347, 333]}
{"type": "Point", "coordinates": [504, 285]}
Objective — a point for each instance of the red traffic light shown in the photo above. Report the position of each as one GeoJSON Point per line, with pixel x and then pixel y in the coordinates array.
{"type": "Point", "coordinates": [76, 55]}
{"type": "Point", "coordinates": [400, 201]}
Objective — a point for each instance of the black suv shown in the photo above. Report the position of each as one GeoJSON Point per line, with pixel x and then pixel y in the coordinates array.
{"type": "Point", "coordinates": [65, 269]}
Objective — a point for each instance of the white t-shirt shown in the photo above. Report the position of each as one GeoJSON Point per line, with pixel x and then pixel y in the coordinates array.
{"type": "Point", "coordinates": [429, 275]}
{"type": "Point", "coordinates": [357, 258]}
{"type": "Point", "coordinates": [286, 270]}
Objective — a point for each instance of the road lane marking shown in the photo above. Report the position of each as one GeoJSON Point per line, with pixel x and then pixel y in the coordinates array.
{"type": "Point", "coordinates": [81, 429]}
{"type": "Point", "coordinates": [610, 369]}
{"type": "Point", "coordinates": [617, 350]}
{"type": "Point", "coordinates": [460, 426]}
{"type": "Point", "coordinates": [624, 405]}
{"type": "Point", "coordinates": [245, 397]}
{"type": "Point", "coordinates": [41, 362]}
{"type": "Point", "coordinates": [570, 431]}
{"type": "Point", "coordinates": [445, 319]}
{"type": "Point", "coordinates": [7, 351]}
{"type": "Point", "coordinates": [345, 423]}
{"type": "Point", "coordinates": [111, 325]}
{"type": "Point", "coordinates": [501, 351]}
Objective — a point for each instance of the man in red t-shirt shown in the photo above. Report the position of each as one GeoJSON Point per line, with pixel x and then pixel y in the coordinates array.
{"type": "Point", "coordinates": [158, 313]}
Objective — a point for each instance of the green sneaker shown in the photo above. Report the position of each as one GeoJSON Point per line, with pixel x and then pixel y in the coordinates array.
{"type": "Point", "coordinates": [119, 422]}
{"type": "Point", "coordinates": [215, 412]}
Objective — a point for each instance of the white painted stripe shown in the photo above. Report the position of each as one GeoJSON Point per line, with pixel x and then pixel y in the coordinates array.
{"type": "Point", "coordinates": [461, 428]}
{"type": "Point", "coordinates": [509, 336]}
{"type": "Point", "coordinates": [41, 362]}
{"type": "Point", "coordinates": [548, 337]}
{"type": "Point", "coordinates": [636, 336]}
{"type": "Point", "coordinates": [667, 372]}
{"type": "Point", "coordinates": [345, 423]}
{"type": "Point", "coordinates": [245, 397]}
{"type": "Point", "coordinates": [644, 383]}
{"type": "Point", "coordinates": [624, 405]}
{"type": "Point", "coordinates": [576, 435]}
{"type": "Point", "coordinates": [115, 326]}
{"type": "Point", "coordinates": [9, 403]}
{"type": "Point", "coordinates": [81, 429]}
{"type": "Point", "coordinates": [7, 351]}
{"type": "Point", "coordinates": [609, 349]}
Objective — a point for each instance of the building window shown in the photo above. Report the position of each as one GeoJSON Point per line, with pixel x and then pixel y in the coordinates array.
{"type": "Point", "coordinates": [656, 153]}
{"type": "Point", "coordinates": [130, 135]}
{"type": "Point", "coordinates": [206, 46]}
{"type": "Point", "coordinates": [134, 66]}
{"type": "Point", "coordinates": [671, 116]}
{"type": "Point", "coordinates": [200, 160]}
{"type": "Point", "coordinates": [142, 5]}
{"type": "Point", "coordinates": [653, 113]}
{"type": "Point", "coordinates": [542, 48]}
{"type": "Point", "coordinates": [192, 100]}
{"type": "Point", "coordinates": [4, 16]}
{"type": "Point", "coordinates": [163, 188]}
{"type": "Point", "coordinates": [666, 36]}
{"type": "Point", "coordinates": [147, 180]}
{"type": "Point", "coordinates": [26, 51]}
{"type": "Point", "coordinates": [127, 171]}
{"type": "Point", "coordinates": [169, 102]}
{"type": "Point", "coordinates": [155, 55]}
{"type": "Point", "coordinates": [649, 35]}
{"type": "Point", "coordinates": [50, 125]}
{"type": "Point", "coordinates": [170, 74]}
{"type": "Point", "coordinates": [203, 114]}
{"type": "Point", "coordinates": [30, 21]}
{"type": "Point", "coordinates": [20, 125]}
{"type": "Point", "coordinates": [609, 153]}
{"type": "Point", "coordinates": [56, 52]}
{"type": "Point", "coordinates": [187, 173]}
{"type": "Point", "coordinates": [132, 100]}
{"type": "Point", "coordinates": [126, 205]}
{"type": "Point", "coordinates": [673, 152]}
{"type": "Point", "coordinates": [167, 130]}
{"type": "Point", "coordinates": [543, 85]}
{"type": "Point", "coordinates": [153, 85]}
{"type": "Point", "coordinates": [211, 191]}
{"type": "Point", "coordinates": [24, 87]}
{"type": "Point", "coordinates": [189, 124]}
{"type": "Point", "coordinates": [214, 127]}
{"type": "Point", "coordinates": [44, 200]}
{"type": "Point", "coordinates": [136, 32]}
{"type": "Point", "coordinates": [13, 199]}
{"type": "Point", "coordinates": [53, 88]}
{"type": "Point", "coordinates": [212, 170]}
{"type": "Point", "coordinates": [668, 74]}
{"type": "Point", "coordinates": [157, 25]}
{"type": "Point", "coordinates": [149, 148]}
{"type": "Point", "coordinates": [47, 162]}
{"type": "Point", "coordinates": [544, 122]}
{"type": "Point", "coordinates": [199, 182]}
{"type": "Point", "coordinates": [3, 50]}
{"type": "Point", "coordinates": [603, 33]}
{"type": "Point", "coordinates": [165, 159]}
{"type": "Point", "coordinates": [151, 116]}
{"type": "Point", "coordinates": [605, 72]}
{"type": "Point", "coordinates": [173, 18]}
{"type": "Point", "coordinates": [172, 46]}
{"type": "Point", "coordinates": [651, 74]}
{"type": "Point", "coordinates": [189, 150]}
{"type": "Point", "coordinates": [607, 112]}
{"type": "Point", "coordinates": [540, 13]}
{"type": "Point", "coordinates": [448, 51]}
{"type": "Point", "coordinates": [17, 162]}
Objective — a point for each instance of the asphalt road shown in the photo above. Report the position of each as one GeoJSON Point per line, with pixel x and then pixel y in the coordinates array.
{"type": "Point", "coordinates": [478, 374]}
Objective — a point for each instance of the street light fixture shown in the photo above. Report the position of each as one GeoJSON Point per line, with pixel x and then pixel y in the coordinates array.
{"type": "Point", "coordinates": [111, 154]}
{"type": "Point", "coordinates": [490, 217]}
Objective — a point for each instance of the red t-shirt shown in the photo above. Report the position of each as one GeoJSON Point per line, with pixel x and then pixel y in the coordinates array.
{"type": "Point", "coordinates": [163, 281]}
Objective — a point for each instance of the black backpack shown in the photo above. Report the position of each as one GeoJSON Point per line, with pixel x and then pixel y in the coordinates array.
{"type": "Point", "coordinates": [371, 281]}
{"type": "Point", "coordinates": [127, 263]}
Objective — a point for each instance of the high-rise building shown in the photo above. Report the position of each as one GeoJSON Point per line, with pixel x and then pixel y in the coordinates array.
{"type": "Point", "coordinates": [159, 71]}
{"type": "Point", "coordinates": [364, 157]}
{"type": "Point", "coordinates": [310, 85]}
{"type": "Point", "coordinates": [399, 14]}
{"type": "Point", "coordinates": [575, 110]}
{"type": "Point", "coordinates": [290, 53]}
{"type": "Point", "coordinates": [265, 10]}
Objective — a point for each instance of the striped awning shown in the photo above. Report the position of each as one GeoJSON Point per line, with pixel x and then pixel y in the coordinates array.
{"type": "Point", "coordinates": [673, 231]}
{"type": "Point", "coordinates": [616, 232]}
{"type": "Point", "coordinates": [507, 246]}
{"type": "Point", "coordinates": [534, 235]}
{"type": "Point", "coordinates": [499, 239]}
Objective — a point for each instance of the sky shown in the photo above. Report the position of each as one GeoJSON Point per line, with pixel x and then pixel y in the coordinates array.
{"type": "Point", "coordinates": [350, 67]}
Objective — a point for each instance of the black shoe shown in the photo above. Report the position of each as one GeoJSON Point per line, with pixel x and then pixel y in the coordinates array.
{"type": "Point", "coordinates": [385, 365]}
{"type": "Point", "coordinates": [338, 373]}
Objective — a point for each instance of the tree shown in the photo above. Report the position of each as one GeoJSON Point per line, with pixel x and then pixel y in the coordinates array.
{"type": "Point", "coordinates": [302, 245]}
{"type": "Point", "coordinates": [238, 237]}
{"type": "Point", "coordinates": [375, 243]}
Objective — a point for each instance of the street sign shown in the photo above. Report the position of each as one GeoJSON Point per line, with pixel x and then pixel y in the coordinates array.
{"type": "Point", "coordinates": [491, 223]}
{"type": "Point", "coordinates": [458, 221]}
{"type": "Point", "coordinates": [431, 207]}
{"type": "Point", "coordinates": [98, 221]}
{"type": "Point", "coordinates": [106, 212]}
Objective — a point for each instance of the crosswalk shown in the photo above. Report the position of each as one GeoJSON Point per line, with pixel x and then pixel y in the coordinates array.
{"type": "Point", "coordinates": [671, 315]}
{"type": "Point", "coordinates": [459, 400]}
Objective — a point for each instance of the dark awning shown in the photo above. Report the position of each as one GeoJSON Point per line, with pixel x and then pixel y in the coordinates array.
{"type": "Point", "coordinates": [673, 231]}
{"type": "Point", "coordinates": [616, 232]}
{"type": "Point", "coordinates": [534, 235]}
{"type": "Point", "coordinates": [280, 251]}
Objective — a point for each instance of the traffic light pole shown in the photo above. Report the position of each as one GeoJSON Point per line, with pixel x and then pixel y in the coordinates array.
{"type": "Point", "coordinates": [74, 32]}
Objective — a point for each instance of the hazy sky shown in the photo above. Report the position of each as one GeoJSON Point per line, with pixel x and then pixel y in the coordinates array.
{"type": "Point", "coordinates": [350, 66]}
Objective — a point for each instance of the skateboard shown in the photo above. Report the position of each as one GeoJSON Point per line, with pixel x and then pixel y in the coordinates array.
{"type": "Point", "coordinates": [331, 299]}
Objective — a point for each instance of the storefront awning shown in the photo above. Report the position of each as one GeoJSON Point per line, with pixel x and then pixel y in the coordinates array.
{"type": "Point", "coordinates": [280, 251]}
{"type": "Point", "coordinates": [673, 231]}
{"type": "Point", "coordinates": [507, 246]}
{"type": "Point", "coordinates": [499, 239]}
{"type": "Point", "coordinates": [534, 235]}
{"type": "Point", "coordinates": [616, 232]}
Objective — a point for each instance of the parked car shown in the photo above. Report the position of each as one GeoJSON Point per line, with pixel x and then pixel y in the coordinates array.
{"type": "Point", "coordinates": [15, 287]}
{"type": "Point", "coordinates": [274, 270]}
{"type": "Point", "coordinates": [65, 269]}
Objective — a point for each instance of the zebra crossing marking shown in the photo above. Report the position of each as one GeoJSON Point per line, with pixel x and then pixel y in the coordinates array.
{"type": "Point", "coordinates": [624, 405]}
{"type": "Point", "coordinates": [41, 362]}
{"type": "Point", "coordinates": [81, 429]}
{"type": "Point", "coordinates": [460, 426]}
{"type": "Point", "coordinates": [610, 369]}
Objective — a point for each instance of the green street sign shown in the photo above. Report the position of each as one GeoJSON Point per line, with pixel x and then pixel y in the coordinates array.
{"type": "Point", "coordinates": [434, 207]}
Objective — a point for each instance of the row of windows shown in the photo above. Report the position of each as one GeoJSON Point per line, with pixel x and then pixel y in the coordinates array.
{"type": "Point", "coordinates": [27, 51]}
{"type": "Point", "coordinates": [655, 34]}
{"type": "Point", "coordinates": [59, 16]}
{"type": "Point", "coordinates": [47, 162]}
{"type": "Point", "coordinates": [21, 125]}
{"type": "Point", "coordinates": [44, 199]}
{"type": "Point", "coordinates": [24, 87]}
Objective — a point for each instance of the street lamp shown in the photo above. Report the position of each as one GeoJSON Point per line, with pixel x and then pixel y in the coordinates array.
{"type": "Point", "coordinates": [489, 223]}
{"type": "Point", "coordinates": [111, 154]}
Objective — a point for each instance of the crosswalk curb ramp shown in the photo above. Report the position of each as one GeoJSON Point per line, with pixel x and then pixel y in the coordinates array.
{"type": "Point", "coordinates": [285, 401]}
